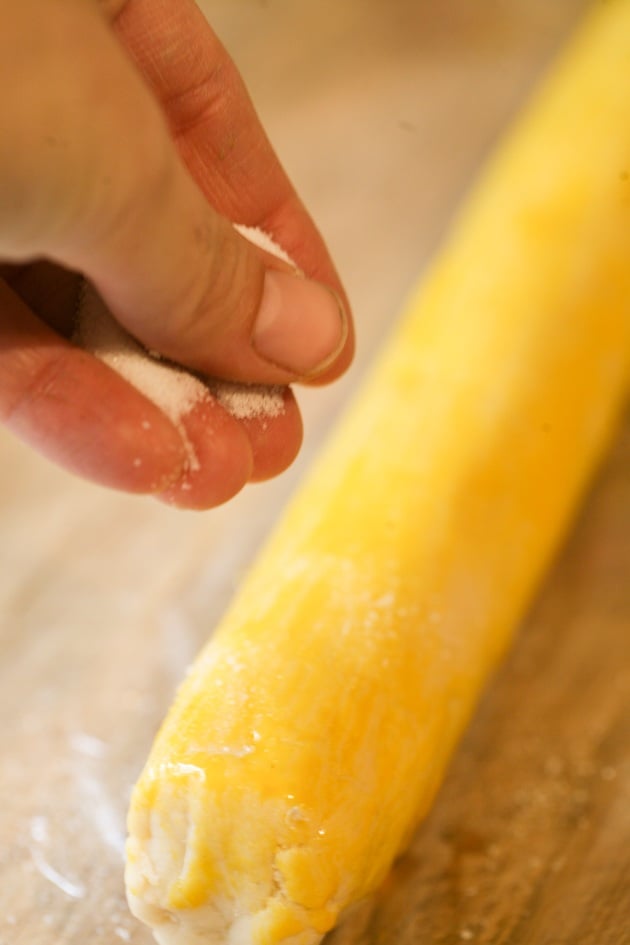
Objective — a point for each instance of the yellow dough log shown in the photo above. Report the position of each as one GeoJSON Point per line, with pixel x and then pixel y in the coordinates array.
{"type": "Point", "coordinates": [313, 731]}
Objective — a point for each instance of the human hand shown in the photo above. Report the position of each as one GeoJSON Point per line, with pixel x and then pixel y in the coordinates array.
{"type": "Point", "coordinates": [128, 144]}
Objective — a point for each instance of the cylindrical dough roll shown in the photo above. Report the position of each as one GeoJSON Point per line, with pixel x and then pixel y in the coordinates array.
{"type": "Point", "coordinates": [313, 732]}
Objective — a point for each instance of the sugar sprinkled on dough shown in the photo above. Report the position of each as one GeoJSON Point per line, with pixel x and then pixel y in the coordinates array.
{"type": "Point", "coordinates": [173, 389]}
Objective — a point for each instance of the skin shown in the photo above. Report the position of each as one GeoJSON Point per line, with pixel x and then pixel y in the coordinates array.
{"type": "Point", "coordinates": [129, 149]}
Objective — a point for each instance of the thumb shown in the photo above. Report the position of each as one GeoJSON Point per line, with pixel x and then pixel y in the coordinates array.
{"type": "Point", "coordinates": [91, 179]}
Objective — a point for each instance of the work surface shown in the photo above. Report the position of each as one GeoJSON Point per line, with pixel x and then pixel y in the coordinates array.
{"type": "Point", "coordinates": [382, 112]}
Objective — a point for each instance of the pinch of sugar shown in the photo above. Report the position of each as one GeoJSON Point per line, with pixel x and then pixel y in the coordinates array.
{"type": "Point", "coordinates": [172, 388]}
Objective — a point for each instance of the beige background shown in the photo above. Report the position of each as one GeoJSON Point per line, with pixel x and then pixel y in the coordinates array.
{"type": "Point", "coordinates": [382, 110]}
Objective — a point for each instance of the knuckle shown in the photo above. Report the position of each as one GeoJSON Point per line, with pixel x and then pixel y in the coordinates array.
{"type": "Point", "coordinates": [198, 101]}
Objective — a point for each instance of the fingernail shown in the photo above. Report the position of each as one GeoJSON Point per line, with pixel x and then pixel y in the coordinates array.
{"type": "Point", "coordinates": [301, 325]}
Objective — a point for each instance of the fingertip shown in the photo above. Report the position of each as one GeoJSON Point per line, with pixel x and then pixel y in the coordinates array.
{"type": "Point", "coordinates": [301, 326]}
{"type": "Point", "coordinates": [219, 459]}
{"type": "Point", "coordinates": [326, 340]}
{"type": "Point", "coordinates": [338, 366]}
{"type": "Point", "coordinates": [275, 440]}
{"type": "Point", "coordinates": [245, 434]}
